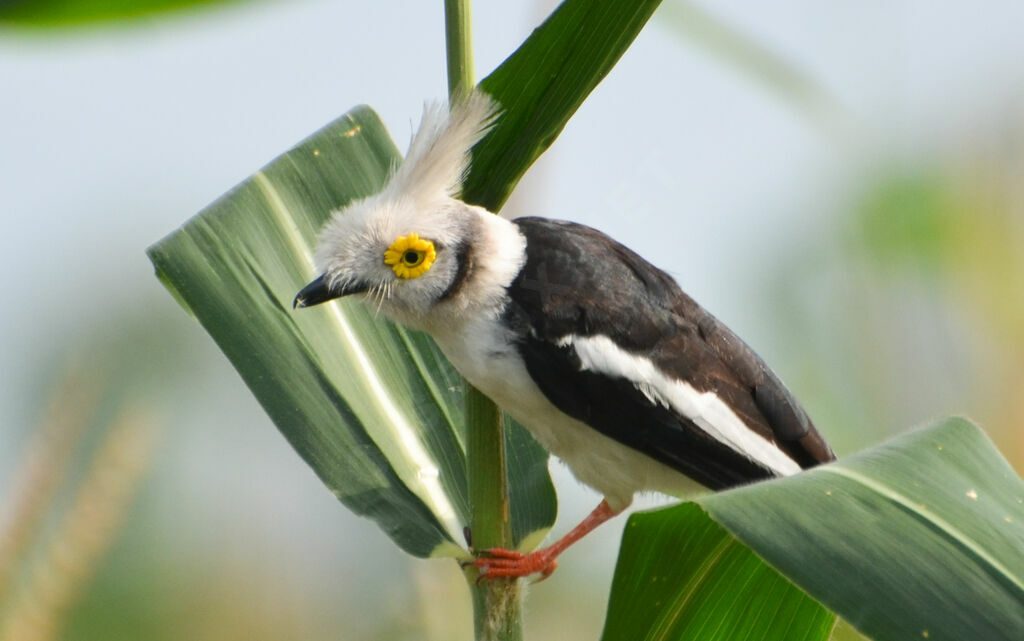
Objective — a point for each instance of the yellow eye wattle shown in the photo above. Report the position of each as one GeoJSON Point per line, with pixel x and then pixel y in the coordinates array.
{"type": "Point", "coordinates": [410, 256]}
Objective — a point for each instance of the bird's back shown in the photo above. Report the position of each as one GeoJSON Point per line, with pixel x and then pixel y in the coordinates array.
{"type": "Point", "coordinates": [613, 342]}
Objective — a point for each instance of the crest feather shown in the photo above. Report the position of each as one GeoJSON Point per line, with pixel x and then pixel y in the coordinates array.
{"type": "Point", "coordinates": [439, 154]}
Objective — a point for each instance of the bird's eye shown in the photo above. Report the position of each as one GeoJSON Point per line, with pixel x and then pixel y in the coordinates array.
{"type": "Point", "coordinates": [410, 256]}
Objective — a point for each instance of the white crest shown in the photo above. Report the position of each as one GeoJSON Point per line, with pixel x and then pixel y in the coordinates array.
{"type": "Point", "coordinates": [439, 156]}
{"type": "Point", "coordinates": [421, 197]}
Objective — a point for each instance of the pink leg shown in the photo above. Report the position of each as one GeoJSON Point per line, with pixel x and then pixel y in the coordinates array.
{"type": "Point", "coordinates": [499, 562]}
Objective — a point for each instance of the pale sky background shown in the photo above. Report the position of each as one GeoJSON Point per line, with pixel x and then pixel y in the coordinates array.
{"type": "Point", "coordinates": [111, 138]}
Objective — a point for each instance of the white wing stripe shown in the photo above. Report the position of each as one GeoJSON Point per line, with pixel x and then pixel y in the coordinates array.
{"type": "Point", "coordinates": [601, 355]}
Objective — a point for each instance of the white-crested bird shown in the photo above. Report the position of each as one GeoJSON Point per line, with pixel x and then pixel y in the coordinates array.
{"type": "Point", "coordinates": [598, 353]}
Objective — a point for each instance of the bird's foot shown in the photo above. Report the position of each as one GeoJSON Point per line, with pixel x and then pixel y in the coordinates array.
{"type": "Point", "coordinates": [499, 562]}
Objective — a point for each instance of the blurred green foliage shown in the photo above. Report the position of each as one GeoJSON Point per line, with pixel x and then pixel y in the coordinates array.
{"type": "Point", "coordinates": [64, 13]}
{"type": "Point", "coordinates": [909, 220]}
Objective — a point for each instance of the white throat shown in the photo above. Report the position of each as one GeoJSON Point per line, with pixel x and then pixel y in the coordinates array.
{"type": "Point", "coordinates": [497, 252]}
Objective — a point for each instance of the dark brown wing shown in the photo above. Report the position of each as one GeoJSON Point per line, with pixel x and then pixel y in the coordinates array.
{"type": "Point", "coordinates": [577, 282]}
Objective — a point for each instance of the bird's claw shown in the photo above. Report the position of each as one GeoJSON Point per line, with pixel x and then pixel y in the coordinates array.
{"type": "Point", "coordinates": [499, 562]}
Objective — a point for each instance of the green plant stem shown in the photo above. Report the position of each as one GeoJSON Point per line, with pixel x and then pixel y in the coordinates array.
{"type": "Point", "coordinates": [488, 481]}
{"type": "Point", "coordinates": [497, 609]}
{"type": "Point", "coordinates": [497, 605]}
{"type": "Point", "coordinates": [459, 43]}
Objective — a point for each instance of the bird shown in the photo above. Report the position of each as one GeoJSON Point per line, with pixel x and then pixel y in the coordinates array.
{"type": "Point", "coordinates": [599, 354]}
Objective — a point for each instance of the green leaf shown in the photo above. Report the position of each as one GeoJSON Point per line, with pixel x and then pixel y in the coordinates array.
{"type": "Point", "coordinates": [374, 409]}
{"type": "Point", "coordinates": [682, 576]}
{"type": "Point", "coordinates": [919, 538]}
{"type": "Point", "coordinates": [61, 13]}
{"type": "Point", "coordinates": [543, 83]}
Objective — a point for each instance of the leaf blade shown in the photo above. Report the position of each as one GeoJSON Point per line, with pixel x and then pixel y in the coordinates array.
{"type": "Point", "coordinates": [682, 576]}
{"type": "Point", "coordinates": [925, 539]}
{"type": "Point", "coordinates": [237, 265]}
{"type": "Point", "coordinates": [542, 84]}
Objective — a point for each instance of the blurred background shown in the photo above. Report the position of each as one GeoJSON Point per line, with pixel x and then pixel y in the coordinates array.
{"type": "Point", "coordinates": [843, 185]}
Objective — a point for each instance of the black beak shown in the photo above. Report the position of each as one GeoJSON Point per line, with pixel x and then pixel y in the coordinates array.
{"type": "Point", "coordinates": [320, 292]}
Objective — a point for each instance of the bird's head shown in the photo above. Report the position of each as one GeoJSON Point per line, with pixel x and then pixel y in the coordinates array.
{"type": "Point", "coordinates": [407, 248]}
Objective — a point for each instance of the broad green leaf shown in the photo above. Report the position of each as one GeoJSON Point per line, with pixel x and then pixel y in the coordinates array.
{"type": "Point", "coordinates": [59, 13]}
{"type": "Point", "coordinates": [919, 538]}
{"type": "Point", "coordinates": [682, 576]}
{"type": "Point", "coordinates": [543, 83]}
{"type": "Point", "coordinates": [374, 409]}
